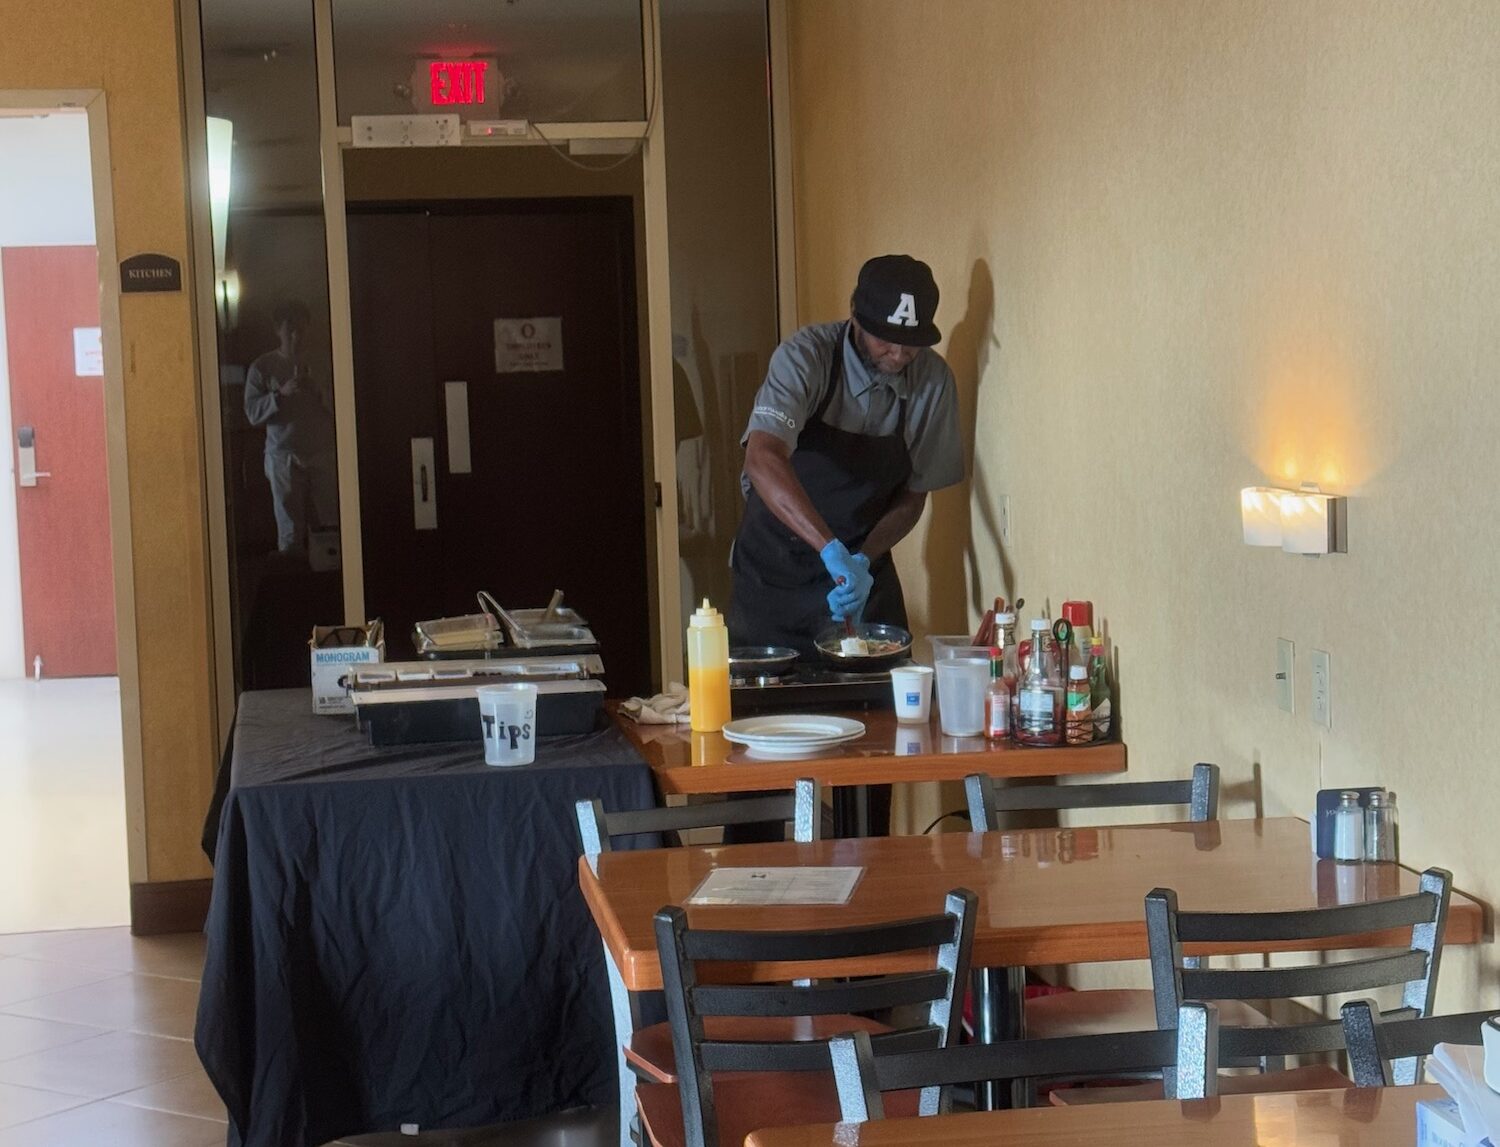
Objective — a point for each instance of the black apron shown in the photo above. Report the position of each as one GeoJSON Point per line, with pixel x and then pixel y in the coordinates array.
{"type": "Point", "coordinates": [780, 583]}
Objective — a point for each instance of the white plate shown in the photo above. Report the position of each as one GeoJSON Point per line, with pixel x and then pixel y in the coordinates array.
{"type": "Point", "coordinates": [791, 751]}
{"type": "Point", "coordinates": [792, 733]}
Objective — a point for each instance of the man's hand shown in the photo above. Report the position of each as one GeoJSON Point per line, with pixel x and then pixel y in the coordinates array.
{"type": "Point", "coordinates": [852, 581]}
{"type": "Point", "coordinates": [292, 385]}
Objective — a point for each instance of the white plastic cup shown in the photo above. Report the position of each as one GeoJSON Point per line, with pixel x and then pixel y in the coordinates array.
{"type": "Point", "coordinates": [911, 686]}
{"type": "Point", "coordinates": [961, 682]}
{"type": "Point", "coordinates": [913, 740]}
{"type": "Point", "coordinates": [507, 719]}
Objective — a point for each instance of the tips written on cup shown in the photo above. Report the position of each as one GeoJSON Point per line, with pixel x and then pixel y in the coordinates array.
{"type": "Point", "coordinates": [508, 723]}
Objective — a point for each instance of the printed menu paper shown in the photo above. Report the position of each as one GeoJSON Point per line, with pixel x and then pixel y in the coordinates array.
{"type": "Point", "coordinates": [751, 886]}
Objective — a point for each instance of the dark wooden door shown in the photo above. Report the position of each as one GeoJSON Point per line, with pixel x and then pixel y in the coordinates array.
{"type": "Point", "coordinates": [555, 496]}
{"type": "Point", "coordinates": [395, 401]}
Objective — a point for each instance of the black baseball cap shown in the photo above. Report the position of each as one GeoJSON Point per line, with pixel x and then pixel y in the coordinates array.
{"type": "Point", "coordinates": [896, 300]}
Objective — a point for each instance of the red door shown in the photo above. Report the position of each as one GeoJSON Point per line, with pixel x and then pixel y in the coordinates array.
{"type": "Point", "coordinates": [67, 583]}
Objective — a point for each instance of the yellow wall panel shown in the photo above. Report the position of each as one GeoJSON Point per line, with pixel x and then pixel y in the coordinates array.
{"type": "Point", "coordinates": [129, 49]}
{"type": "Point", "coordinates": [1186, 248]}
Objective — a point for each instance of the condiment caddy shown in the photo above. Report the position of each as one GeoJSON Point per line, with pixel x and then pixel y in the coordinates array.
{"type": "Point", "coordinates": [1049, 690]}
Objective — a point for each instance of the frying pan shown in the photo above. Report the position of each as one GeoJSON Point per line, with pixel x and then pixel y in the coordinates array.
{"type": "Point", "coordinates": [830, 640]}
{"type": "Point", "coordinates": [760, 660]}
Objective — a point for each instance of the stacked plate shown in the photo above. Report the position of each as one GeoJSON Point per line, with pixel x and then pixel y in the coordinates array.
{"type": "Point", "coordinates": [792, 736]}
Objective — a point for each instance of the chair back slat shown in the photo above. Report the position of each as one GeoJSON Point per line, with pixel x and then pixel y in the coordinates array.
{"type": "Point", "coordinates": [1377, 1043]}
{"type": "Point", "coordinates": [1284, 983]}
{"type": "Point", "coordinates": [987, 800]}
{"type": "Point", "coordinates": [806, 1055]}
{"type": "Point", "coordinates": [821, 999]}
{"type": "Point", "coordinates": [1308, 923]}
{"type": "Point", "coordinates": [802, 807]}
{"type": "Point", "coordinates": [1187, 1052]}
{"type": "Point", "coordinates": [682, 949]}
{"type": "Point", "coordinates": [1248, 1044]}
{"type": "Point", "coordinates": [824, 944]}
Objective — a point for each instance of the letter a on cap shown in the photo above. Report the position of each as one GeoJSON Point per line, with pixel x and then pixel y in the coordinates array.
{"type": "Point", "coordinates": [905, 313]}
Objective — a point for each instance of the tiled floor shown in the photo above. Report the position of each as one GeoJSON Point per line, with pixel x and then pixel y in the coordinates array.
{"type": "Point", "coordinates": [96, 1051]}
{"type": "Point", "coordinates": [62, 805]}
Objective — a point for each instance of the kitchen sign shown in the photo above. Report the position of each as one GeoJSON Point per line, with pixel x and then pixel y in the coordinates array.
{"type": "Point", "coordinates": [150, 272]}
{"type": "Point", "coordinates": [526, 345]}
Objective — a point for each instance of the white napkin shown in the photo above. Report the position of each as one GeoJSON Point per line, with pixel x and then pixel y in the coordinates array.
{"type": "Point", "coordinates": [1460, 1071]}
{"type": "Point", "coordinates": [666, 708]}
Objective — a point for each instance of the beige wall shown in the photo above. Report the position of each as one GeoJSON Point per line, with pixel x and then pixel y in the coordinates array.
{"type": "Point", "coordinates": [1186, 248]}
{"type": "Point", "coordinates": [130, 51]}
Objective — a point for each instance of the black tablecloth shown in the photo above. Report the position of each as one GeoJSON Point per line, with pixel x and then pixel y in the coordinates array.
{"type": "Point", "coordinates": [397, 935]}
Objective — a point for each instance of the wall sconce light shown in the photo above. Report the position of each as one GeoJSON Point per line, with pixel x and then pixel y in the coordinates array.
{"type": "Point", "coordinates": [1260, 513]}
{"type": "Point", "coordinates": [1304, 521]}
{"type": "Point", "coordinates": [220, 163]}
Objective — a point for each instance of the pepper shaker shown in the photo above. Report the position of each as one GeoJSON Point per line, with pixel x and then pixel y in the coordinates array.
{"type": "Point", "coordinates": [1382, 842]}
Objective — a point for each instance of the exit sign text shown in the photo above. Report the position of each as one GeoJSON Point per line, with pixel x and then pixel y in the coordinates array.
{"type": "Point", "coordinates": [456, 81]}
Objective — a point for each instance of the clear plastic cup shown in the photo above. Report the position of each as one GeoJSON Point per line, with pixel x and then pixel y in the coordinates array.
{"type": "Point", "coordinates": [961, 682]}
{"type": "Point", "coordinates": [944, 646]}
{"type": "Point", "coordinates": [507, 719]}
{"type": "Point", "coordinates": [911, 688]}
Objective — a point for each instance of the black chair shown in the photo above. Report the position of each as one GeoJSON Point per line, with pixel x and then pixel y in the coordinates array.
{"type": "Point", "coordinates": [730, 1086]}
{"type": "Point", "coordinates": [803, 807]}
{"type": "Point", "coordinates": [1376, 1045]}
{"type": "Point", "coordinates": [987, 800]}
{"type": "Point", "coordinates": [1102, 1010]}
{"type": "Point", "coordinates": [1414, 968]}
{"type": "Point", "coordinates": [1189, 1052]}
{"type": "Point", "coordinates": [646, 1048]}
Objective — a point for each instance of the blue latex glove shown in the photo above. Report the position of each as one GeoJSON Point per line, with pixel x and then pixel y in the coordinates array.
{"type": "Point", "coordinates": [847, 600]}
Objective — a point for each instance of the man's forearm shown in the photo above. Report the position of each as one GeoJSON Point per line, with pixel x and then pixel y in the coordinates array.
{"type": "Point", "coordinates": [895, 523]}
{"type": "Point", "coordinates": [770, 471]}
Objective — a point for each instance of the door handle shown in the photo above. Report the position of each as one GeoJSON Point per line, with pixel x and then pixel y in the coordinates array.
{"type": "Point", "coordinates": [423, 495]}
{"type": "Point", "coordinates": [26, 457]}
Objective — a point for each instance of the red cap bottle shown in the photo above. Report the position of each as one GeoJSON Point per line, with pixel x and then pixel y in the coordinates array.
{"type": "Point", "coordinates": [1079, 613]}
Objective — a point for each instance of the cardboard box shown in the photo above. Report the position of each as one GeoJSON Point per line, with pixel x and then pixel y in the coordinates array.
{"type": "Point", "coordinates": [334, 649]}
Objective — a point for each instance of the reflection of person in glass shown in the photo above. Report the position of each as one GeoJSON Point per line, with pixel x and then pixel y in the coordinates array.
{"type": "Point", "coordinates": [296, 409]}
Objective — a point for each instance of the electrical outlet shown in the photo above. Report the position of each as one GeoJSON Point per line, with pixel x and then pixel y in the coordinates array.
{"type": "Point", "coordinates": [1005, 519]}
{"type": "Point", "coordinates": [1322, 688]}
{"type": "Point", "coordinates": [1284, 651]}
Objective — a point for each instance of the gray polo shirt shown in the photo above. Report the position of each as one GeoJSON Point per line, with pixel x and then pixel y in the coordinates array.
{"type": "Point", "coordinates": [865, 404]}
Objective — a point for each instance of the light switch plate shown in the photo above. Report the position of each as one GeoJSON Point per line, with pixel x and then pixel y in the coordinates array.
{"type": "Point", "coordinates": [1005, 519]}
{"type": "Point", "coordinates": [1284, 653]}
{"type": "Point", "coordinates": [1322, 688]}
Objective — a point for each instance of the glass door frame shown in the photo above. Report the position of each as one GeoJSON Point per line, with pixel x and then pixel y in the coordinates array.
{"type": "Point", "coordinates": [333, 139]}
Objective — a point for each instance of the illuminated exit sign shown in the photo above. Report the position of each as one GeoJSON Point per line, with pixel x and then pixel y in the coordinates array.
{"type": "Point", "coordinates": [468, 87]}
{"type": "Point", "coordinates": [456, 81]}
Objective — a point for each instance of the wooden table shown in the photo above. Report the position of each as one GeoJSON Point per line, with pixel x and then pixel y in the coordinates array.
{"type": "Point", "coordinates": [1358, 1117]}
{"type": "Point", "coordinates": [688, 762]}
{"type": "Point", "coordinates": [1046, 896]}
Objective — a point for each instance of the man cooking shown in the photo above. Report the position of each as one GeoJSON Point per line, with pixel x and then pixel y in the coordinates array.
{"type": "Point", "coordinates": [856, 422]}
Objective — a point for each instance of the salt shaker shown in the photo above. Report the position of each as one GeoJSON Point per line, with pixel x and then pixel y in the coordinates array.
{"type": "Point", "coordinates": [1348, 829]}
{"type": "Point", "coordinates": [1382, 842]}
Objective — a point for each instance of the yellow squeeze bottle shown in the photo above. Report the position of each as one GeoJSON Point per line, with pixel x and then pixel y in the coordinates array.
{"type": "Point", "coordinates": [708, 670]}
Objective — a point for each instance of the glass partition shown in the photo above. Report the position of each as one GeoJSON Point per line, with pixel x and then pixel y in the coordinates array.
{"type": "Point", "coordinates": [722, 238]}
{"type": "Point", "coordinates": [275, 362]}
{"type": "Point", "coordinates": [547, 62]}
